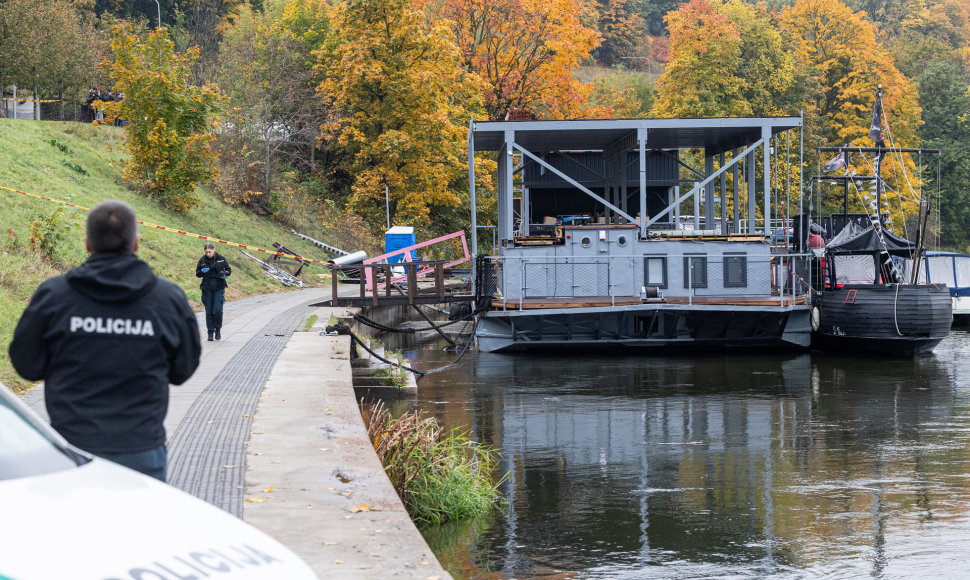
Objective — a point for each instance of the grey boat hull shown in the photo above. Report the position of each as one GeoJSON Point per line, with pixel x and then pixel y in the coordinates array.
{"type": "Point", "coordinates": [645, 326]}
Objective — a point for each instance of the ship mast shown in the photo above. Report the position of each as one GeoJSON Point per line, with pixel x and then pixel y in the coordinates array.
{"type": "Point", "coordinates": [879, 151]}
{"type": "Point", "coordinates": [875, 131]}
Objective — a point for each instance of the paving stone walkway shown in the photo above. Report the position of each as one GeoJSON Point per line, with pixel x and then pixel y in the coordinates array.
{"type": "Point", "coordinates": [207, 452]}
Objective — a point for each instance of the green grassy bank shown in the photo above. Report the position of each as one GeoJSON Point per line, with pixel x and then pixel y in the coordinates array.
{"type": "Point", "coordinates": [77, 163]}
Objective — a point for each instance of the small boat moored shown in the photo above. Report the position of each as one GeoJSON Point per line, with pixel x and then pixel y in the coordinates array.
{"type": "Point", "coordinates": [867, 300]}
{"type": "Point", "coordinates": [952, 270]}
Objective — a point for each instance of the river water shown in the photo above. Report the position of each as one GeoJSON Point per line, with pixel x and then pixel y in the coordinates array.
{"type": "Point", "coordinates": [783, 465]}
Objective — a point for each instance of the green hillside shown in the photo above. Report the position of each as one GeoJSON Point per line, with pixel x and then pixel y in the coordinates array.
{"type": "Point", "coordinates": [77, 163]}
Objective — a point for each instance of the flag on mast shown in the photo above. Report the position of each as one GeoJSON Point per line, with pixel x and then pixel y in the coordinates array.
{"type": "Point", "coordinates": [875, 128]}
{"type": "Point", "coordinates": [837, 162]}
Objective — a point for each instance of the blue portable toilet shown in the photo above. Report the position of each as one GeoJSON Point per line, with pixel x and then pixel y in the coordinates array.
{"type": "Point", "coordinates": [397, 238]}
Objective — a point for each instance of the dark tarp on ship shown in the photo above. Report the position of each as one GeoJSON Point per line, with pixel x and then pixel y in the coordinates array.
{"type": "Point", "coordinates": [853, 239]}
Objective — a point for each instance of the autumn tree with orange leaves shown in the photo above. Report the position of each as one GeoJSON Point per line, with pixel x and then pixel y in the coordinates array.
{"type": "Point", "coordinates": [727, 58]}
{"type": "Point", "coordinates": [525, 51]}
{"type": "Point", "coordinates": [841, 49]}
{"type": "Point", "coordinates": [700, 81]}
{"type": "Point", "coordinates": [399, 106]}
{"type": "Point", "coordinates": [842, 53]}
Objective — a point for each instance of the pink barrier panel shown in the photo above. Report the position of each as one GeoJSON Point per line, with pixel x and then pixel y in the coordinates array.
{"type": "Point", "coordinates": [368, 272]}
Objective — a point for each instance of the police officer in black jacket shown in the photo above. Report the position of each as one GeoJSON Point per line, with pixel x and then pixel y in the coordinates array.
{"type": "Point", "coordinates": [107, 338]}
{"type": "Point", "coordinates": [213, 269]}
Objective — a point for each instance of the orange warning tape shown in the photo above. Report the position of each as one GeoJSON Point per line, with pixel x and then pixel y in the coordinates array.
{"type": "Point", "coordinates": [32, 100]}
{"type": "Point", "coordinates": [168, 229]}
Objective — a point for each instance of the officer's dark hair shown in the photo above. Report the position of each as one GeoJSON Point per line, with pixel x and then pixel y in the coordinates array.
{"type": "Point", "coordinates": [209, 246]}
{"type": "Point", "coordinates": [111, 227]}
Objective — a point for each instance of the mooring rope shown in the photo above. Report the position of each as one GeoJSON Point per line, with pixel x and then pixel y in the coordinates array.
{"type": "Point", "coordinates": [382, 359]}
{"type": "Point", "coordinates": [384, 328]}
{"type": "Point", "coordinates": [378, 326]}
{"type": "Point", "coordinates": [464, 349]}
{"type": "Point", "coordinates": [895, 315]}
{"type": "Point", "coordinates": [342, 328]}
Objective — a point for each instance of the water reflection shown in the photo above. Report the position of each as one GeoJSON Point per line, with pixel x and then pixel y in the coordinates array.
{"type": "Point", "coordinates": [773, 465]}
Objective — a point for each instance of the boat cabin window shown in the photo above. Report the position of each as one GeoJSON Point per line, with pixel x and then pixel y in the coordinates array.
{"type": "Point", "coordinates": [941, 270]}
{"type": "Point", "coordinates": [695, 271]}
{"type": "Point", "coordinates": [854, 269]}
{"type": "Point", "coordinates": [962, 265]}
{"type": "Point", "coordinates": [655, 271]}
{"type": "Point", "coordinates": [735, 270]}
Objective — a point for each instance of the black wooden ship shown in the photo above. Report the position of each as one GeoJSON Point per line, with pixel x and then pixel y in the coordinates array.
{"type": "Point", "coordinates": [866, 301]}
{"type": "Point", "coordinates": [876, 311]}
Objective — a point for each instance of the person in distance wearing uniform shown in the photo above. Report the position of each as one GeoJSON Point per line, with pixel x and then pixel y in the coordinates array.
{"type": "Point", "coordinates": [107, 338]}
{"type": "Point", "coordinates": [213, 269]}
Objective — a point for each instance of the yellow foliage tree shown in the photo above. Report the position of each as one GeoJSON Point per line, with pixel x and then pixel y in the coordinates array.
{"type": "Point", "coordinates": [727, 58]}
{"type": "Point", "coordinates": [847, 62]}
{"type": "Point", "coordinates": [400, 103]}
{"type": "Point", "coordinates": [844, 56]}
{"type": "Point", "coordinates": [705, 49]}
{"type": "Point", "coordinates": [168, 121]}
{"type": "Point", "coordinates": [622, 29]}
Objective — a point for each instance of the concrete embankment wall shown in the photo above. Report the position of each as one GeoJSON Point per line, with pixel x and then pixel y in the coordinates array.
{"type": "Point", "coordinates": [391, 316]}
{"type": "Point", "coordinates": [313, 480]}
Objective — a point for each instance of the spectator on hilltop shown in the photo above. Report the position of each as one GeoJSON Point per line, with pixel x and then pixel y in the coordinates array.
{"type": "Point", "coordinates": [88, 113]}
{"type": "Point", "coordinates": [119, 122]}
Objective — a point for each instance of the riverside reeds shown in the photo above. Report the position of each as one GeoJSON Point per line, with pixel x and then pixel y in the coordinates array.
{"type": "Point", "coordinates": [439, 476]}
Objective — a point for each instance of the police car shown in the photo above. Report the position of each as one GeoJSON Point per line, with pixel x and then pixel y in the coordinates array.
{"type": "Point", "coordinates": [67, 515]}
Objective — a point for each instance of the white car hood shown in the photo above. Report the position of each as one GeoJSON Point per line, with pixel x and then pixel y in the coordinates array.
{"type": "Point", "coordinates": [101, 521]}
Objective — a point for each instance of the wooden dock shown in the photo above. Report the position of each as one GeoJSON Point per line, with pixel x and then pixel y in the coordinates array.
{"type": "Point", "coordinates": [424, 283]}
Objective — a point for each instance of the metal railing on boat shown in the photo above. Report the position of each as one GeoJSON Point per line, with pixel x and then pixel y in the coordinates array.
{"type": "Point", "coordinates": [570, 282]}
